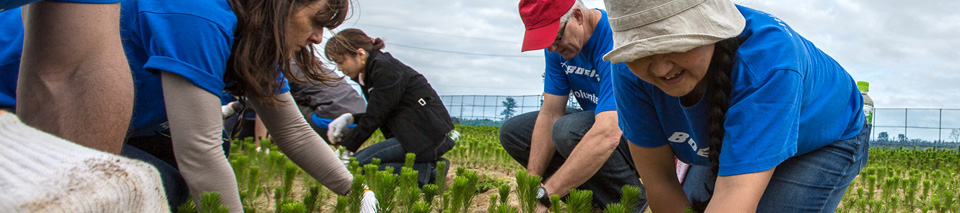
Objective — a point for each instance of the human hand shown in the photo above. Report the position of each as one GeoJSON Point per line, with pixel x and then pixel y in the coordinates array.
{"type": "Point", "coordinates": [336, 127]}
{"type": "Point", "coordinates": [542, 209]}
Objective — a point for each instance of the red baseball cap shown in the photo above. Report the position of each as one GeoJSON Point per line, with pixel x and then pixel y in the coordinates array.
{"type": "Point", "coordinates": [542, 21]}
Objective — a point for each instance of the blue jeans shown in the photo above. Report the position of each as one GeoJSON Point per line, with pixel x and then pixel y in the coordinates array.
{"type": "Point", "coordinates": [617, 170]}
{"type": "Point", "coordinates": [157, 150]}
{"type": "Point", "coordinates": [812, 182]}
{"type": "Point", "coordinates": [391, 153]}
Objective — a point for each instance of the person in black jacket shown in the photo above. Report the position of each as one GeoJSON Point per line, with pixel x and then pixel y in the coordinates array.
{"type": "Point", "coordinates": [400, 102]}
{"type": "Point", "coordinates": [322, 101]}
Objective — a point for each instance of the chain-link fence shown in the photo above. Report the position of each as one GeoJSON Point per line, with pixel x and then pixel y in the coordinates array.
{"type": "Point", "coordinates": [893, 127]}
{"type": "Point", "coordinates": [916, 127]}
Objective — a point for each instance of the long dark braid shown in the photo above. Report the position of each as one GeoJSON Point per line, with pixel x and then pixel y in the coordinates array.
{"type": "Point", "coordinates": [724, 56]}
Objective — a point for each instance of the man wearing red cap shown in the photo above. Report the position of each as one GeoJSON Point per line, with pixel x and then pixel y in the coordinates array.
{"type": "Point", "coordinates": [572, 148]}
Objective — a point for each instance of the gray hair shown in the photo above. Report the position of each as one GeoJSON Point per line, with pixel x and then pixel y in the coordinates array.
{"type": "Point", "coordinates": [578, 4]}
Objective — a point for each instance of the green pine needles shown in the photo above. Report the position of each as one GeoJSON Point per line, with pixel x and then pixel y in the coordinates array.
{"type": "Point", "coordinates": [527, 191]}
{"type": "Point", "coordinates": [580, 201]}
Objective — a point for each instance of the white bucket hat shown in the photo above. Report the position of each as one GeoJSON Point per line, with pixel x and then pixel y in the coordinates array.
{"type": "Point", "coordinates": [643, 28]}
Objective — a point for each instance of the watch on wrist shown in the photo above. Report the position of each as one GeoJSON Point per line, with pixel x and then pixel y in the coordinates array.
{"type": "Point", "coordinates": [543, 196]}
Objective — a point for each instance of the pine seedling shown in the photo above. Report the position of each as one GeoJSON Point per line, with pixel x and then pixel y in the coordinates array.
{"type": "Point", "coordinates": [370, 173]}
{"type": "Point", "coordinates": [580, 201]}
{"type": "Point", "coordinates": [408, 177]}
{"type": "Point", "coordinates": [430, 192]}
{"type": "Point", "coordinates": [310, 201]}
{"type": "Point", "coordinates": [492, 205]}
{"type": "Point", "coordinates": [342, 202]}
{"type": "Point", "coordinates": [187, 207]}
{"type": "Point", "coordinates": [442, 176]}
{"type": "Point", "coordinates": [408, 197]}
{"type": "Point", "coordinates": [446, 201]}
{"type": "Point", "coordinates": [615, 208]}
{"type": "Point", "coordinates": [210, 203]}
{"type": "Point", "coordinates": [386, 190]}
{"type": "Point", "coordinates": [464, 189]}
{"type": "Point", "coordinates": [421, 207]}
{"type": "Point", "coordinates": [356, 193]}
{"type": "Point", "coordinates": [289, 172]}
{"type": "Point", "coordinates": [526, 191]}
{"type": "Point", "coordinates": [293, 207]}
{"type": "Point", "coordinates": [458, 191]}
{"type": "Point", "coordinates": [555, 204]}
{"type": "Point", "coordinates": [504, 208]}
{"type": "Point", "coordinates": [630, 197]}
{"type": "Point", "coordinates": [504, 192]}
{"type": "Point", "coordinates": [354, 166]}
{"type": "Point", "coordinates": [408, 162]}
{"type": "Point", "coordinates": [278, 199]}
{"type": "Point", "coordinates": [253, 182]}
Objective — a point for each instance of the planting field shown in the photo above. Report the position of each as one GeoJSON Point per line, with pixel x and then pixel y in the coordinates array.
{"type": "Point", "coordinates": [483, 178]}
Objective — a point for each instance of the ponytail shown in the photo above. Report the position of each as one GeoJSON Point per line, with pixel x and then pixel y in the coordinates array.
{"type": "Point", "coordinates": [721, 65]}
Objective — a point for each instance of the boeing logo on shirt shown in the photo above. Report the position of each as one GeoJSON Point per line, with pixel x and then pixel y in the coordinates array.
{"type": "Point", "coordinates": [681, 137]}
{"type": "Point", "coordinates": [589, 96]}
{"type": "Point", "coordinates": [580, 71]}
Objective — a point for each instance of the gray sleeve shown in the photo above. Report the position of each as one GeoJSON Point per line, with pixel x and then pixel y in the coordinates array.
{"type": "Point", "coordinates": [196, 129]}
{"type": "Point", "coordinates": [302, 145]}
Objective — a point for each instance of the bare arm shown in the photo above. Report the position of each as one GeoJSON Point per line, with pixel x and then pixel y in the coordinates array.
{"type": "Point", "coordinates": [541, 145]}
{"type": "Point", "coordinates": [196, 127]}
{"type": "Point", "coordinates": [589, 155]}
{"type": "Point", "coordinates": [657, 169]}
{"type": "Point", "coordinates": [72, 54]}
{"type": "Point", "coordinates": [739, 193]}
{"type": "Point", "coordinates": [298, 141]}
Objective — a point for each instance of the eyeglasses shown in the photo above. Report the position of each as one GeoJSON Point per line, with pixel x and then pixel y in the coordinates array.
{"type": "Point", "coordinates": [560, 33]}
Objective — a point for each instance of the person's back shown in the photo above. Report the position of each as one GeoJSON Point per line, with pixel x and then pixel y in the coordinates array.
{"type": "Point", "coordinates": [322, 101]}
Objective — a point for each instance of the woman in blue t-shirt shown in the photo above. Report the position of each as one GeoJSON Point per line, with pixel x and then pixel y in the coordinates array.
{"type": "Point", "coordinates": [769, 122]}
{"type": "Point", "coordinates": [184, 54]}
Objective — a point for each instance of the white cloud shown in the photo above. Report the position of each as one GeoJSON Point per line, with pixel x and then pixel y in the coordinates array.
{"type": "Point", "coordinates": [906, 49]}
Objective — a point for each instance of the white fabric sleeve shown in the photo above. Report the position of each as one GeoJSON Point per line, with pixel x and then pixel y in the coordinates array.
{"type": "Point", "coordinates": [40, 172]}
{"type": "Point", "coordinates": [196, 129]}
{"type": "Point", "coordinates": [302, 145]}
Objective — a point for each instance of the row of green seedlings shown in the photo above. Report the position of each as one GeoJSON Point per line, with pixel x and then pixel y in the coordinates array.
{"type": "Point", "coordinates": [892, 182]}
{"type": "Point", "coordinates": [576, 201]}
{"type": "Point", "coordinates": [253, 182]}
{"type": "Point", "coordinates": [400, 193]}
{"type": "Point", "coordinates": [479, 147]}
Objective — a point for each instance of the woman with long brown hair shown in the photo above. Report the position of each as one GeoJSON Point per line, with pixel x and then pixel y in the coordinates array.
{"type": "Point", "coordinates": [184, 54]}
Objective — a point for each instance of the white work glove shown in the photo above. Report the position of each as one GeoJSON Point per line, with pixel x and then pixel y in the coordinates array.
{"type": "Point", "coordinates": [336, 127]}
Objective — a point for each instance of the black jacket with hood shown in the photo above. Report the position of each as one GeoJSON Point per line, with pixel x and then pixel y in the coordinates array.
{"type": "Point", "coordinates": [402, 104]}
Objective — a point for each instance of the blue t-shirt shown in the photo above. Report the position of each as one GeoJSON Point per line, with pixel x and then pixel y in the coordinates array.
{"type": "Point", "coordinates": [587, 75]}
{"type": "Point", "coordinates": [10, 4]}
{"type": "Point", "coordinates": [189, 38]}
{"type": "Point", "coordinates": [192, 39]}
{"type": "Point", "coordinates": [787, 98]}
{"type": "Point", "coordinates": [11, 45]}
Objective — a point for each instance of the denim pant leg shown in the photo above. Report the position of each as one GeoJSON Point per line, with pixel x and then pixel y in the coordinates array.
{"type": "Point", "coordinates": [816, 181]}
{"type": "Point", "coordinates": [392, 154]}
{"type": "Point", "coordinates": [173, 184]}
{"type": "Point", "coordinates": [388, 151]}
{"type": "Point", "coordinates": [812, 182]}
{"type": "Point", "coordinates": [516, 136]}
{"type": "Point", "coordinates": [616, 171]}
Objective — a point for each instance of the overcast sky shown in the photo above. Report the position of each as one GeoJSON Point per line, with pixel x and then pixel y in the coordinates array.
{"type": "Point", "coordinates": [907, 50]}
